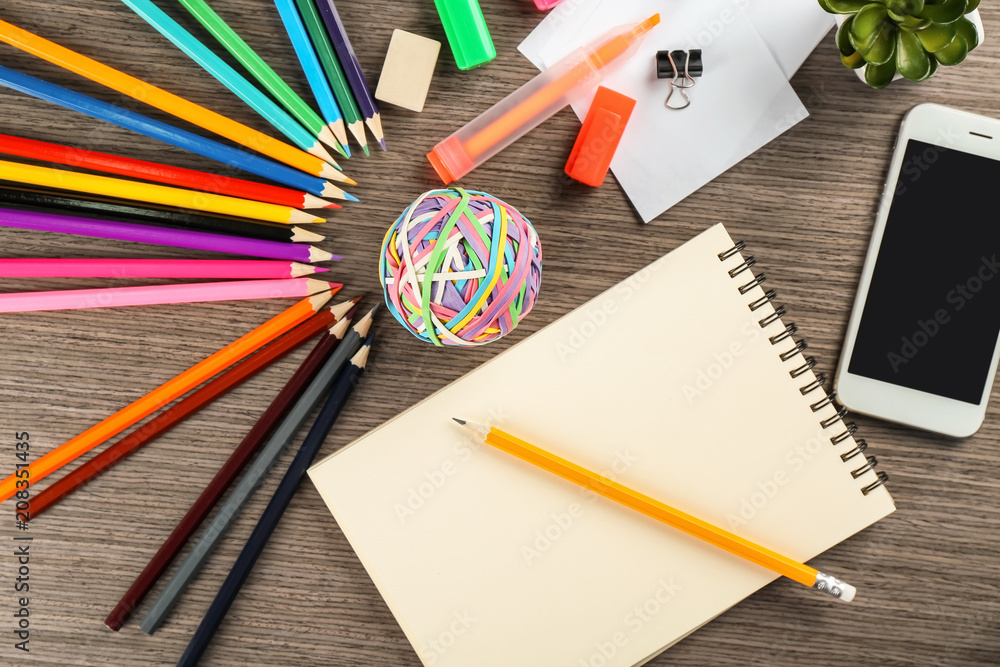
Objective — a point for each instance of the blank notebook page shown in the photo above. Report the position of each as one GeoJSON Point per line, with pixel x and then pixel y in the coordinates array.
{"type": "Point", "coordinates": [666, 383]}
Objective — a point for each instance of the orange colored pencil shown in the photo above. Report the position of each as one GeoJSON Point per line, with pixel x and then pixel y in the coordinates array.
{"type": "Point", "coordinates": [165, 393]}
{"type": "Point", "coordinates": [161, 99]}
{"type": "Point", "coordinates": [734, 544]}
{"type": "Point", "coordinates": [186, 408]}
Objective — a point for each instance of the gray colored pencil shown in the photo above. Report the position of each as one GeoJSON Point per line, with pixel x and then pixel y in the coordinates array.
{"type": "Point", "coordinates": [251, 480]}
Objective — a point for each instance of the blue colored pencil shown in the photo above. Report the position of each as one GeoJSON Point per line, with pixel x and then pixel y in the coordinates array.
{"type": "Point", "coordinates": [230, 78]}
{"type": "Point", "coordinates": [155, 129]}
{"type": "Point", "coordinates": [275, 508]}
{"type": "Point", "coordinates": [299, 36]}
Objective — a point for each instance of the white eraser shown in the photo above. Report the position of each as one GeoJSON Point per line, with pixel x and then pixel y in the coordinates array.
{"type": "Point", "coordinates": [407, 70]}
{"type": "Point", "coordinates": [848, 593]}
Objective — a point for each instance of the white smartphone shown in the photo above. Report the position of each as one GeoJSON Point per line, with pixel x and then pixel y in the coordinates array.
{"type": "Point", "coordinates": [923, 340]}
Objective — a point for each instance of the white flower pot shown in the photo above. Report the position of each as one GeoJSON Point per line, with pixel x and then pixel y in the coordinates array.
{"type": "Point", "coordinates": [972, 16]}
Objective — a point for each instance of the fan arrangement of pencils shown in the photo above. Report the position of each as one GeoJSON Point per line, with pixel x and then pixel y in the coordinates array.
{"type": "Point", "coordinates": [90, 193]}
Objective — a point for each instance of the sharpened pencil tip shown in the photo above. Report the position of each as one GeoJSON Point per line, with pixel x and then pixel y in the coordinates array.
{"type": "Point", "coordinates": [349, 197]}
{"type": "Point", "coordinates": [350, 181]}
{"type": "Point", "coordinates": [460, 421]}
{"type": "Point", "coordinates": [381, 142]}
{"type": "Point", "coordinates": [332, 205]}
{"type": "Point", "coordinates": [365, 149]}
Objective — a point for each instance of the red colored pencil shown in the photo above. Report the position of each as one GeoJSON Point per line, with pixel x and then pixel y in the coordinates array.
{"type": "Point", "coordinates": [279, 407]}
{"type": "Point", "coordinates": [160, 173]}
{"type": "Point", "coordinates": [188, 407]}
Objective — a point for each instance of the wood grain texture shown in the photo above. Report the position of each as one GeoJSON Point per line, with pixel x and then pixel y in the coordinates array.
{"type": "Point", "coordinates": [927, 575]}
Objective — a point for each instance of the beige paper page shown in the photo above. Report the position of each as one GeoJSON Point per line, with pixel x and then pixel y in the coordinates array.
{"type": "Point", "coordinates": [666, 383]}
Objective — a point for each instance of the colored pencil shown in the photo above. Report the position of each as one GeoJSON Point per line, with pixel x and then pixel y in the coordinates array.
{"type": "Point", "coordinates": [165, 216]}
{"type": "Point", "coordinates": [178, 238]}
{"type": "Point", "coordinates": [254, 475]}
{"type": "Point", "coordinates": [152, 193]}
{"type": "Point", "coordinates": [160, 173]}
{"type": "Point", "coordinates": [230, 78]}
{"type": "Point", "coordinates": [313, 70]}
{"type": "Point", "coordinates": [184, 409]}
{"type": "Point", "coordinates": [163, 100]}
{"type": "Point", "coordinates": [352, 68]}
{"type": "Point", "coordinates": [275, 509]}
{"type": "Point", "coordinates": [189, 141]}
{"type": "Point", "coordinates": [95, 435]}
{"type": "Point", "coordinates": [152, 295]}
{"type": "Point", "coordinates": [275, 412]}
{"type": "Point", "coordinates": [612, 490]}
{"type": "Point", "coordinates": [155, 268]}
{"type": "Point", "coordinates": [261, 71]}
{"type": "Point", "coordinates": [334, 73]}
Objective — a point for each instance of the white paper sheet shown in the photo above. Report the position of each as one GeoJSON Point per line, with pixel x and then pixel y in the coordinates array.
{"type": "Point", "coordinates": [743, 102]}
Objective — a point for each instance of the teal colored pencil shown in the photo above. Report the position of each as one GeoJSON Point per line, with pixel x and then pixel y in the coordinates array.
{"type": "Point", "coordinates": [229, 77]}
{"type": "Point", "coordinates": [299, 36]}
{"type": "Point", "coordinates": [263, 72]}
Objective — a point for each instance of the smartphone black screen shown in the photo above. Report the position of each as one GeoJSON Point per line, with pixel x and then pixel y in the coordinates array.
{"type": "Point", "coordinates": [932, 315]}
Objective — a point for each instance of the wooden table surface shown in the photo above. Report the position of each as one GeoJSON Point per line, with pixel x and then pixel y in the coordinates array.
{"type": "Point", "coordinates": [805, 203]}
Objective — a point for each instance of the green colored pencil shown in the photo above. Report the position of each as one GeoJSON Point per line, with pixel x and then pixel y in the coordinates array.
{"type": "Point", "coordinates": [261, 71]}
{"type": "Point", "coordinates": [334, 72]}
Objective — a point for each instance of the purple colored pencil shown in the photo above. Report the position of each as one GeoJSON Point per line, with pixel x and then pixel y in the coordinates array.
{"type": "Point", "coordinates": [178, 238]}
{"type": "Point", "coordinates": [352, 68]}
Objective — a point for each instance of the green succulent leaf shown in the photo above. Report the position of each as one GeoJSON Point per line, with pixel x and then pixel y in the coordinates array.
{"type": "Point", "coordinates": [932, 70]}
{"type": "Point", "coordinates": [971, 7]}
{"type": "Point", "coordinates": [938, 35]}
{"type": "Point", "coordinates": [967, 29]}
{"type": "Point", "coordinates": [945, 11]}
{"type": "Point", "coordinates": [914, 23]}
{"type": "Point", "coordinates": [884, 47]}
{"type": "Point", "coordinates": [867, 26]}
{"type": "Point", "coordinates": [912, 60]}
{"type": "Point", "coordinates": [843, 6]}
{"type": "Point", "coordinates": [844, 38]}
{"type": "Point", "coordinates": [880, 76]}
{"type": "Point", "coordinates": [905, 7]}
{"type": "Point", "coordinates": [853, 61]}
{"type": "Point", "coordinates": [954, 53]}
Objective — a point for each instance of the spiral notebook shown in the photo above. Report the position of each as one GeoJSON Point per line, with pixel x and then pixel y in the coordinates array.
{"type": "Point", "coordinates": [682, 382]}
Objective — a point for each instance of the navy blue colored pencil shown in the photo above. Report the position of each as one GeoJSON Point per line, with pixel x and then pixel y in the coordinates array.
{"type": "Point", "coordinates": [194, 143]}
{"type": "Point", "coordinates": [276, 507]}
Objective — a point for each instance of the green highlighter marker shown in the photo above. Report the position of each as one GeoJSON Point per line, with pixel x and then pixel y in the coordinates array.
{"type": "Point", "coordinates": [467, 33]}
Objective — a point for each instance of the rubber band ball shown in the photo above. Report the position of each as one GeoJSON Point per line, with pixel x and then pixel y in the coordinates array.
{"type": "Point", "coordinates": [460, 268]}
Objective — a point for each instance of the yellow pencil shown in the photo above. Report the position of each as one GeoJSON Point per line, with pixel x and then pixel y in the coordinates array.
{"type": "Point", "coordinates": [168, 102]}
{"type": "Point", "coordinates": [152, 193]}
{"type": "Point", "coordinates": [804, 574]}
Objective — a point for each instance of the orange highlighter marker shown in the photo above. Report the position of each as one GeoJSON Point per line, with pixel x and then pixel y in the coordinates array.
{"type": "Point", "coordinates": [524, 109]}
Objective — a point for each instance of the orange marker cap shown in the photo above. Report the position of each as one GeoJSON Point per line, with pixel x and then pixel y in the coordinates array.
{"type": "Point", "coordinates": [599, 137]}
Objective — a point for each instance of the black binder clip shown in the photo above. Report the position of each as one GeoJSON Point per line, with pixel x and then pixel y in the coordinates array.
{"type": "Point", "coordinates": [680, 67]}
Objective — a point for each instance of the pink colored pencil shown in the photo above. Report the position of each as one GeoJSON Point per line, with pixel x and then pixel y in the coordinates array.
{"type": "Point", "coordinates": [153, 268]}
{"type": "Point", "coordinates": [114, 297]}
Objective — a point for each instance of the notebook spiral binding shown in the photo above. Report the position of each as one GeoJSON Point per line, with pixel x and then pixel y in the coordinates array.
{"type": "Point", "coordinates": [810, 362]}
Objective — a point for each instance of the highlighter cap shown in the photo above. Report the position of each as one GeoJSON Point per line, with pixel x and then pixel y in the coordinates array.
{"type": "Point", "coordinates": [467, 33]}
{"type": "Point", "coordinates": [599, 137]}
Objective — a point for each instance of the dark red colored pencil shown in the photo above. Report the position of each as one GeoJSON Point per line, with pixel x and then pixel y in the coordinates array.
{"type": "Point", "coordinates": [279, 407]}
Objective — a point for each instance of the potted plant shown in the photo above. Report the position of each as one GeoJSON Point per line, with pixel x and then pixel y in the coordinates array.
{"type": "Point", "coordinates": [904, 38]}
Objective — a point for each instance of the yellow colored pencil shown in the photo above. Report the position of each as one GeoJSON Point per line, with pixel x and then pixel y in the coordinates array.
{"type": "Point", "coordinates": [168, 102]}
{"type": "Point", "coordinates": [803, 574]}
{"type": "Point", "coordinates": [152, 193]}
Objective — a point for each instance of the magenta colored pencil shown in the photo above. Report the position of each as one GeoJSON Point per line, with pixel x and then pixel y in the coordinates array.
{"type": "Point", "coordinates": [154, 268]}
{"type": "Point", "coordinates": [178, 238]}
{"type": "Point", "coordinates": [114, 297]}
